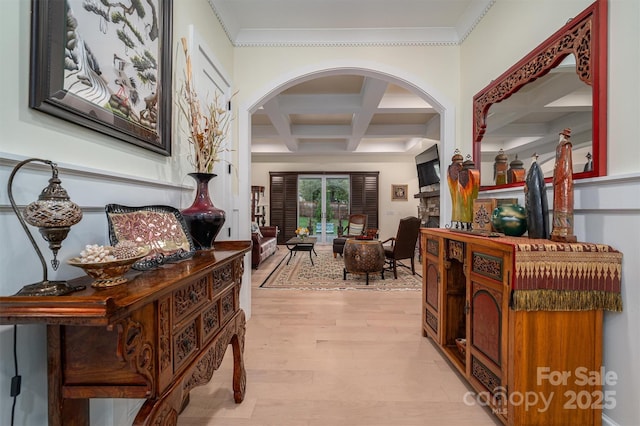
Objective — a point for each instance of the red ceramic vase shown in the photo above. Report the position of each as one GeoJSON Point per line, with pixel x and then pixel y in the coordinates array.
{"type": "Point", "coordinates": [203, 219]}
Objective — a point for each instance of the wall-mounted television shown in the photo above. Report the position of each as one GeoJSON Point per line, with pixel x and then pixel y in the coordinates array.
{"type": "Point", "coordinates": [428, 166]}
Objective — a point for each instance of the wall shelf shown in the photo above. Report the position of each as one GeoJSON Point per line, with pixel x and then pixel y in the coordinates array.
{"type": "Point", "coordinates": [427, 194]}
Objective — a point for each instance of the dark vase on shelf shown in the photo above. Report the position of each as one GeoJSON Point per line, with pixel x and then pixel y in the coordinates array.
{"type": "Point", "coordinates": [203, 219]}
{"type": "Point", "coordinates": [535, 196]}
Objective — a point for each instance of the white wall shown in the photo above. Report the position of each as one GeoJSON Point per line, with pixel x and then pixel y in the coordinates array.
{"type": "Point", "coordinates": [397, 170]}
{"type": "Point", "coordinates": [607, 210]}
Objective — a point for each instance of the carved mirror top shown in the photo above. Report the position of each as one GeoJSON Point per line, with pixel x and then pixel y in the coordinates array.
{"type": "Point", "coordinates": [582, 44]}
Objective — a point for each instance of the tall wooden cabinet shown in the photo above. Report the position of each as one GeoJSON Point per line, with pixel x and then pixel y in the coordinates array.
{"type": "Point", "coordinates": [529, 343]}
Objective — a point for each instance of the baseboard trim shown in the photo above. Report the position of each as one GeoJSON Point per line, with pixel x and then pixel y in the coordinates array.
{"type": "Point", "coordinates": [607, 421]}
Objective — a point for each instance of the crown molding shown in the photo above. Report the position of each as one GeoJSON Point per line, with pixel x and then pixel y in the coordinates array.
{"type": "Point", "coordinates": [353, 37]}
{"type": "Point", "coordinates": [472, 17]}
{"type": "Point", "coordinates": [324, 37]}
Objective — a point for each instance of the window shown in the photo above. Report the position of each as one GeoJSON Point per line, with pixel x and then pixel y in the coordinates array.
{"type": "Point", "coordinates": [284, 199]}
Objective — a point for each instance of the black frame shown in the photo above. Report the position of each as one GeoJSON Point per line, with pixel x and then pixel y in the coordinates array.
{"type": "Point", "coordinates": [46, 87]}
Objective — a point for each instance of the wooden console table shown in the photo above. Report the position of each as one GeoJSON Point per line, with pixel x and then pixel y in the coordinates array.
{"type": "Point", "coordinates": [530, 314]}
{"type": "Point", "coordinates": [156, 337]}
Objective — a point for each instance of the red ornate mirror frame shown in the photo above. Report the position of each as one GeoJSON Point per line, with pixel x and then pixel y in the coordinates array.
{"type": "Point", "coordinates": [586, 37]}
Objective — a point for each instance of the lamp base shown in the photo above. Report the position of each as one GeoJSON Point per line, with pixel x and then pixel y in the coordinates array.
{"type": "Point", "coordinates": [48, 288]}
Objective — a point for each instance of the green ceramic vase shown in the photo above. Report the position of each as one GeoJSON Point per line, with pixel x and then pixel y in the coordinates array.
{"type": "Point", "coordinates": [510, 219]}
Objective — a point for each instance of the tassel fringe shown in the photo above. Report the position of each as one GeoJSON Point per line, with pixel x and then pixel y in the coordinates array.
{"type": "Point", "coordinates": [565, 300]}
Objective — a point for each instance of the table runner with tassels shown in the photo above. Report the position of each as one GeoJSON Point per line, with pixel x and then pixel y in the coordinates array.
{"type": "Point", "coordinates": [553, 276]}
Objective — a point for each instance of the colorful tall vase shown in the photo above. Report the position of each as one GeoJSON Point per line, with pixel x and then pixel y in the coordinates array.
{"type": "Point", "coordinates": [203, 219]}
{"type": "Point", "coordinates": [464, 185]}
{"type": "Point", "coordinates": [453, 173]}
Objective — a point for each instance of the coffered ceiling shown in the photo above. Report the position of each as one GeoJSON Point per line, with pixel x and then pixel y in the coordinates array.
{"type": "Point", "coordinates": [345, 113]}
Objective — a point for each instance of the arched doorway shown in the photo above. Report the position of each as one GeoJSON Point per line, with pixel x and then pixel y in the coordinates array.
{"type": "Point", "coordinates": [254, 101]}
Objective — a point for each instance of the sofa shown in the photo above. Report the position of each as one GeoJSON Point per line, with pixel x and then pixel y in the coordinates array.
{"type": "Point", "coordinates": [264, 241]}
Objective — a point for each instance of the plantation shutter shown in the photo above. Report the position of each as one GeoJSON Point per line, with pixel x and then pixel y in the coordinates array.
{"type": "Point", "coordinates": [284, 204]}
{"type": "Point", "coordinates": [364, 196]}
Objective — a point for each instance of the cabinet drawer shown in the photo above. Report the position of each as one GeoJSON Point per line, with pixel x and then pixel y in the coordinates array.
{"type": "Point", "coordinates": [190, 297]}
{"type": "Point", "coordinates": [433, 246]}
{"type": "Point", "coordinates": [488, 263]}
{"type": "Point", "coordinates": [228, 304]}
{"type": "Point", "coordinates": [491, 381]}
{"type": "Point", "coordinates": [431, 320]}
{"type": "Point", "coordinates": [185, 344]}
{"type": "Point", "coordinates": [223, 276]}
{"type": "Point", "coordinates": [211, 321]}
{"type": "Point", "coordinates": [455, 250]}
{"type": "Point", "coordinates": [216, 314]}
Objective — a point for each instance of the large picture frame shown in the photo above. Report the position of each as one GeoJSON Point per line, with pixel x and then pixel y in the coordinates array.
{"type": "Point", "coordinates": [105, 68]}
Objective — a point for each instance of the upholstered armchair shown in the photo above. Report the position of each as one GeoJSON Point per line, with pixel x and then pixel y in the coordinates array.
{"type": "Point", "coordinates": [356, 226]}
{"type": "Point", "coordinates": [402, 246]}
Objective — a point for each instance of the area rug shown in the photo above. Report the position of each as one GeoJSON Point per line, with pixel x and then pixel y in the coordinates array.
{"type": "Point", "coordinates": [327, 274]}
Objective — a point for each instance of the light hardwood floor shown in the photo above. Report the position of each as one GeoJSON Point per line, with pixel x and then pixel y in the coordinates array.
{"type": "Point", "coordinates": [335, 358]}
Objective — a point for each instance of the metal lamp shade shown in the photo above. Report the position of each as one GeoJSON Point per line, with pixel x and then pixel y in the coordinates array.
{"type": "Point", "coordinates": [53, 214]}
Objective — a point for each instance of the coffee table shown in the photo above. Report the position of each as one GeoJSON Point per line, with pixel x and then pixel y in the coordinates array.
{"type": "Point", "coordinates": [297, 244]}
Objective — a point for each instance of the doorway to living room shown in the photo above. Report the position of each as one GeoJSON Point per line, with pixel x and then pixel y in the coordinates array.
{"type": "Point", "coordinates": [323, 205]}
{"type": "Point", "coordinates": [266, 149]}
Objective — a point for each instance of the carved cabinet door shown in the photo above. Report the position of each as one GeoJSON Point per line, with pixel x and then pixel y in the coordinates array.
{"type": "Point", "coordinates": [433, 288]}
{"type": "Point", "coordinates": [488, 324]}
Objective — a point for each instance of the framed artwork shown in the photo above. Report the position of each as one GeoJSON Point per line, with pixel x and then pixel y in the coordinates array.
{"type": "Point", "coordinates": [105, 67]}
{"type": "Point", "coordinates": [399, 192]}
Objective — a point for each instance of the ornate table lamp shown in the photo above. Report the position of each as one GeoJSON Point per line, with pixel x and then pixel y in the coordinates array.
{"type": "Point", "coordinates": [53, 214]}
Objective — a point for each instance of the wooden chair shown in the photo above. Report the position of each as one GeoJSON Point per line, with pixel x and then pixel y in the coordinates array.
{"type": "Point", "coordinates": [357, 225]}
{"type": "Point", "coordinates": [403, 246]}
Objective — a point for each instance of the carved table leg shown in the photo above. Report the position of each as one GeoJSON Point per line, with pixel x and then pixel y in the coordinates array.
{"type": "Point", "coordinates": [164, 409]}
{"type": "Point", "coordinates": [239, 372]}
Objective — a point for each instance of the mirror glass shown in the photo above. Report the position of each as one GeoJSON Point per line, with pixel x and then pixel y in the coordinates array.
{"type": "Point", "coordinates": [529, 122]}
{"type": "Point", "coordinates": [560, 84]}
